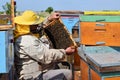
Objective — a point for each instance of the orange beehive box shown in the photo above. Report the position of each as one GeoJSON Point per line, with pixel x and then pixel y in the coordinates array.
{"type": "Point", "coordinates": [84, 70]}
{"type": "Point", "coordinates": [100, 33]}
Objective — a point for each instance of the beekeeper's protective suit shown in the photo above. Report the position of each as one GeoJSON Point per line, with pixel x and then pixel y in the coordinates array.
{"type": "Point", "coordinates": [32, 54]}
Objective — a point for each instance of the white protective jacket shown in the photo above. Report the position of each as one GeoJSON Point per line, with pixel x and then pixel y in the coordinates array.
{"type": "Point", "coordinates": [33, 55]}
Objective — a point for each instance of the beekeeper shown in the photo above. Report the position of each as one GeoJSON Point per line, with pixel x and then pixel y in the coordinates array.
{"type": "Point", "coordinates": [33, 57]}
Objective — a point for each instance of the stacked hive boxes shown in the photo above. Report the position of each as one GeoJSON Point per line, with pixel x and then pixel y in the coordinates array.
{"type": "Point", "coordinates": [100, 45]}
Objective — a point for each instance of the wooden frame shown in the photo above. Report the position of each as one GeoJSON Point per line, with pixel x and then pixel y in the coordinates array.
{"type": "Point", "coordinates": [12, 12]}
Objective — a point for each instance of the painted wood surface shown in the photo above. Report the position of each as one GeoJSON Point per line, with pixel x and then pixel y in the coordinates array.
{"type": "Point", "coordinates": [84, 70]}
{"type": "Point", "coordinates": [104, 12]}
{"type": "Point", "coordinates": [95, 33]}
{"type": "Point", "coordinates": [100, 18]}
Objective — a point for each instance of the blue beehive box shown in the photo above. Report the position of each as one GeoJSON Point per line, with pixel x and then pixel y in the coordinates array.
{"type": "Point", "coordinates": [6, 51]}
{"type": "Point", "coordinates": [70, 20]}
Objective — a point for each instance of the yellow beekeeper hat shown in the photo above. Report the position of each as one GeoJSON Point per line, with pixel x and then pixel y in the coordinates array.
{"type": "Point", "coordinates": [28, 18]}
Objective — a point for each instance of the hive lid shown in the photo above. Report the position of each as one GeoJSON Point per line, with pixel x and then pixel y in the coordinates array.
{"type": "Point", "coordinates": [100, 18]}
{"type": "Point", "coordinates": [103, 58]}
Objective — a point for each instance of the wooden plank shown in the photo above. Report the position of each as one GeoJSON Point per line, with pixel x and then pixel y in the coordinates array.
{"type": "Point", "coordinates": [12, 12]}
{"type": "Point", "coordinates": [94, 75]}
{"type": "Point", "coordinates": [4, 77]}
{"type": "Point", "coordinates": [77, 75]}
{"type": "Point", "coordinates": [84, 70]}
{"type": "Point", "coordinates": [113, 78]}
{"type": "Point", "coordinates": [76, 61]}
{"type": "Point", "coordinates": [5, 27]}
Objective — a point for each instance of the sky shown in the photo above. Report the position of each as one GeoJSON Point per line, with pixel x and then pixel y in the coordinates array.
{"type": "Point", "coordinates": [81, 5]}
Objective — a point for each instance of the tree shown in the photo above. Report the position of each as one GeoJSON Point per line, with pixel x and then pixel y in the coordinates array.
{"type": "Point", "coordinates": [1, 12]}
{"type": "Point", "coordinates": [7, 8]}
{"type": "Point", "coordinates": [49, 10]}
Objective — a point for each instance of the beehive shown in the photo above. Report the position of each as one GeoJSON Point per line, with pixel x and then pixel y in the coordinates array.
{"type": "Point", "coordinates": [100, 30]}
{"type": "Point", "coordinates": [100, 63]}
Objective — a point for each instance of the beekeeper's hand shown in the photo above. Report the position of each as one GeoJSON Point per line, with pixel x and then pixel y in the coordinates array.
{"type": "Point", "coordinates": [53, 16]}
{"type": "Point", "coordinates": [70, 50]}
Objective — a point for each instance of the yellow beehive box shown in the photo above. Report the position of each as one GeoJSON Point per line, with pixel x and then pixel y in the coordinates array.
{"type": "Point", "coordinates": [102, 12]}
